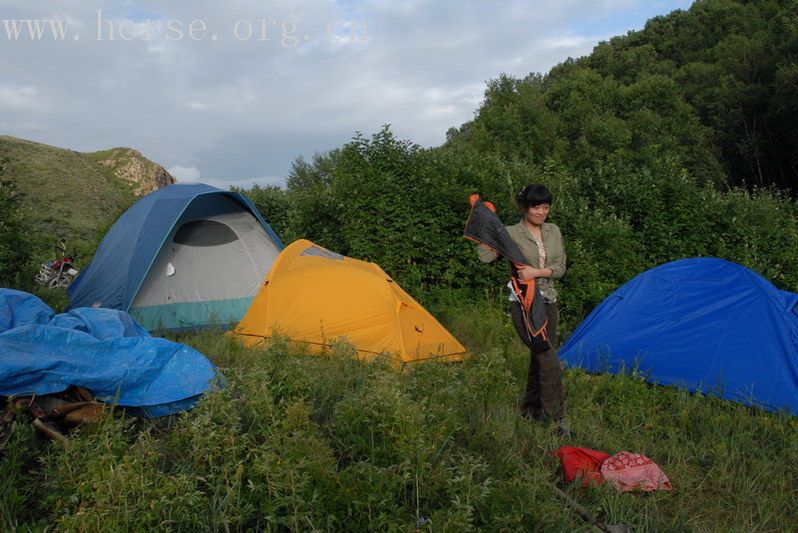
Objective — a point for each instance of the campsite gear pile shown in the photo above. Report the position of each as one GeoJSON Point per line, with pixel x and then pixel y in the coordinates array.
{"type": "Point", "coordinates": [625, 471]}
{"type": "Point", "coordinates": [101, 350]}
{"type": "Point", "coordinates": [51, 415]}
{"type": "Point", "coordinates": [314, 296]}
{"type": "Point", "coordinates": [706, 324]}
{"type": "Point", "coordinates": [183, 257]}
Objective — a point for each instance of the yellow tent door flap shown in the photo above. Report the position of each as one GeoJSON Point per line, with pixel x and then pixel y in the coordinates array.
{"type": "Point", "coordinates": [315, 296]}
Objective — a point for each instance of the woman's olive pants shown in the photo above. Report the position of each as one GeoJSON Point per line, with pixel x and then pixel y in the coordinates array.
{"type": "Point", "coordinates": [543, 394]}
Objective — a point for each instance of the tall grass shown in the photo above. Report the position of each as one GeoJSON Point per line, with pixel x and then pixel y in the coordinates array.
{"type": "Point", "coordinates": [305, 442]}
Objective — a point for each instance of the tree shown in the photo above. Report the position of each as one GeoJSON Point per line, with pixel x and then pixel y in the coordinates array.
{"type": "Point", "coordinates": [272, 204]}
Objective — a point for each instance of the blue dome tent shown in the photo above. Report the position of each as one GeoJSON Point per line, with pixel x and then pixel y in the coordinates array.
{"type": "Point", "coordinates": [183, 257]}
{"type": "Point", "coordinates": [705, 324]}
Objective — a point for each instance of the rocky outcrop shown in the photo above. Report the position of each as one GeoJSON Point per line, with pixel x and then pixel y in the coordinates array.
{"type": "Point", "coordinates": [74, 195]}
{"type": "Point", "coordinates": [129, 165]}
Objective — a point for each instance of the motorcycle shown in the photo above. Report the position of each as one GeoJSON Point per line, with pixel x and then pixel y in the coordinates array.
{"type": "Point", "coordinates": [58, 273]}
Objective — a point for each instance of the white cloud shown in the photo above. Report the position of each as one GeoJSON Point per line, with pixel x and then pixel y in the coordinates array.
{"type": "Point", "coordinates": [230, 108]}
{"type": "Point", "coordinates": [16, 98]}
{"type": "Point", "coordinates": [189, 174]}
{"type": "Point", "coordinates": [569, 42]}
{"type": "Point", "coordinates": [199, 106]}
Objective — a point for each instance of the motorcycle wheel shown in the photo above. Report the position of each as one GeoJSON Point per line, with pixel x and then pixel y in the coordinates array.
{"type": "Point", "coordinates": [58, 282]}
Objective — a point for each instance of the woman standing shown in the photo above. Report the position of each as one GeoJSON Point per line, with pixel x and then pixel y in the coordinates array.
{"type": "Point", "coordinates": [542, 245]}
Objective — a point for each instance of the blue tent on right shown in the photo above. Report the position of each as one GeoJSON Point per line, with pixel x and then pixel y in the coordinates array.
{"type": "Point", "coordinates": [706, 324]}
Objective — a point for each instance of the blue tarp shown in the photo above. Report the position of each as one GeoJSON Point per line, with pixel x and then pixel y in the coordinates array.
{"type": "Point", "coordinates": [102, 350]}
{"type": "Point", "coordinates": [707, 324]}
{"type": "Point", "coordinates": [125, 255]}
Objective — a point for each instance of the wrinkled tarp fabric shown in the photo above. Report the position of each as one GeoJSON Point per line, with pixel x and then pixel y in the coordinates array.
{"type": "Point", "coordinates": [102, 350]}
{"type": "Point", "coordinates": [19, 308]}
{"type": "Point", "coordinates": [706, 324]}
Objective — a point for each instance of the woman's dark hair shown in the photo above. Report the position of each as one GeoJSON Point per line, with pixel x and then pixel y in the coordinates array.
{"type": "Point", "coordinates": [532, 195]}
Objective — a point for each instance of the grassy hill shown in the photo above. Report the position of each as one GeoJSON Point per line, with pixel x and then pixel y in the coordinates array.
{"type": "Point", "coordinates": [71, 194]}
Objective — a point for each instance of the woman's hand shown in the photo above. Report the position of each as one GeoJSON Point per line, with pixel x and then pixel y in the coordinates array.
{"type": "Point", "coordinates": [527, 272]}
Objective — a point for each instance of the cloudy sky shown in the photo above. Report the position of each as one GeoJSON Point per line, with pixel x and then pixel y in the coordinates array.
{"type": "Point", "coordinates": [233, 92]}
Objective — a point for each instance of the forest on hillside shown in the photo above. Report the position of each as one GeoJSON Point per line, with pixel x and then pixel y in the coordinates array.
{"type": "Point", "coordinates": [675, 141]}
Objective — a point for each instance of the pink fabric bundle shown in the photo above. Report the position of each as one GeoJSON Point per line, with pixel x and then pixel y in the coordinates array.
{"type": "Point", "coordinates": [627, 471]}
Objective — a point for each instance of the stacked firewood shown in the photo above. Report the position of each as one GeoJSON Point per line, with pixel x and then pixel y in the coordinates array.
{"type": "Point", "coordinates": [52, 415]}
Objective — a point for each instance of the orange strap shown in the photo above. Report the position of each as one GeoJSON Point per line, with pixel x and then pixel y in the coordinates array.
{"type": "Point", "coordinates": [526, 298]}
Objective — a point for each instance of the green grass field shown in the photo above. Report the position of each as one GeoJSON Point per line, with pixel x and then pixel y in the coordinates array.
{"type": "Point", "coordinates": [303, 442]}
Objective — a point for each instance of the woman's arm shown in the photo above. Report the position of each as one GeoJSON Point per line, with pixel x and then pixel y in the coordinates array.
{"type": "Point", "coordinates": [486, 254]}
{"type": "Point", "coordinates": [557, 266]}
{"type": "Point", "coordinates": [528, 272]}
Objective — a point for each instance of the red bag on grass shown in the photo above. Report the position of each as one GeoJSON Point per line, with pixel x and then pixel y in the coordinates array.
{"type": "Point", "coordinates": [581, 463]}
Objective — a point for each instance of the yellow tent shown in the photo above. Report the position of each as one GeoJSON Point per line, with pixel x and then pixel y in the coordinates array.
{"type": "Point", "coordinates": [313, 296]}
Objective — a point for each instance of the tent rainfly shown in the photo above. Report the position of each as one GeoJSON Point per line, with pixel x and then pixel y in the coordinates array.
{"type": "Point", "coordinates": [183, 257]}
{"type": "Point", "coordinates": [706, 324]}
{"type": "Point", "coordinates": [314, 296]}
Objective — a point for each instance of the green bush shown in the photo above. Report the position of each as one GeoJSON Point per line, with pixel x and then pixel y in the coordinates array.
{"type": "Point", "coordinates": [391, 202]}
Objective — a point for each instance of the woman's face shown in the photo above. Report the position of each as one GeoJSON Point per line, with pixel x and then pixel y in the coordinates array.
{"type": "Point", "coordinates": [537, 214]}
